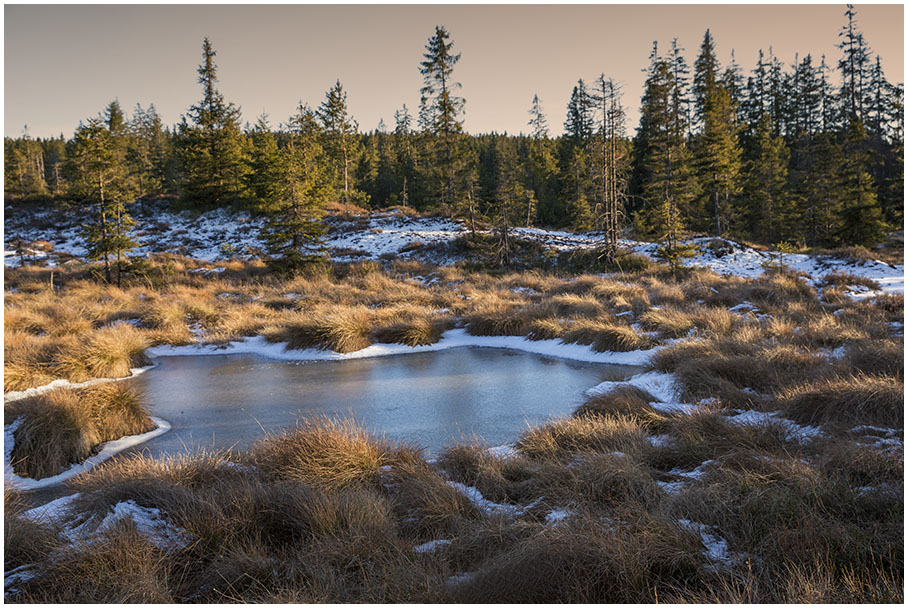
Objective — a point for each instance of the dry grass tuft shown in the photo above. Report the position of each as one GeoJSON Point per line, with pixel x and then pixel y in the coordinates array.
{"type": "Point", "coordinates": [343, 330]}
{"type": "Point", "coordinates": [602, 336]}
{"type": "Point", "coordinates": [323, 452]}
{"type": "Point", "coordinates": [562, 439]}
{"type": "Point", "coordinates": [861, 399]}
{"type": "Point", "coordinates": [62, 427]}
{"type": "Point", "coordinates": [627, 400]}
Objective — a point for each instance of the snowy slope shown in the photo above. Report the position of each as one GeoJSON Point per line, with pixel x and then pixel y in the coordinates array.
{"type": "Point", "coordinates": [220, 234]}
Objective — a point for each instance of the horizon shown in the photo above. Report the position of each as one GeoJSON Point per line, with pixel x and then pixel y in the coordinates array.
{"type": "Point", "coordinates": [267, 63]}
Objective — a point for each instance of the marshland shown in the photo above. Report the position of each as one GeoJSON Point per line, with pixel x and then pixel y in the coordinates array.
{"type": "Point", "coordinates": [767, 466]}
{"type": "Point", "coordinates": [313, 363]}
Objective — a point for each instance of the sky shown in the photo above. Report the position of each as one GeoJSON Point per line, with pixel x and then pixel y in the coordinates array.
{"type": "Point", "coordinates": [64, 63]}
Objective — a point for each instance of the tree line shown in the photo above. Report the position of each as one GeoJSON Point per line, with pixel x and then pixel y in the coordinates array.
{"type": "Point", "coordinates": [781, 153]}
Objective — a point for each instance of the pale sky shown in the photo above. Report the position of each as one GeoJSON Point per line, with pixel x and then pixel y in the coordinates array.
{"type": "Point", "coordinates": [65, 63]}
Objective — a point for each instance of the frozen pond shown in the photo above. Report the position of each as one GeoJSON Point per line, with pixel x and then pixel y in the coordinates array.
{"type": "Point", "coordinates": [431, 399]}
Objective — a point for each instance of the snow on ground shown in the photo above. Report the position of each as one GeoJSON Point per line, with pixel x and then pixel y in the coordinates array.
{"type": "Point", "coordinates": [556, 516]}
{"type": "Point", "coordinates": [107, 450]}
{"type": "Point", "coordinates": [715, 548]}
{"type": "Point", "coordinates": [430, 546]}
{"type": "Point", "coordinates": [453, 338]}
{"type": "Point", "coordinates": [793, 431]}
{"type": "Point", "coordinates": [486, 506]}
{"type": "Point", "coordinates": [78, 528]}
{"type": "Point", "coordinates": [221, 234]}
{"type": "Point", "coordinates": [662, 386]}
{"type": "Point", "coordinates": [62, 383]}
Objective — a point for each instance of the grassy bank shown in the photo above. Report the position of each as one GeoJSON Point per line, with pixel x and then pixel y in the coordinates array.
{"type": "Point", "coordinates": [782, 482]}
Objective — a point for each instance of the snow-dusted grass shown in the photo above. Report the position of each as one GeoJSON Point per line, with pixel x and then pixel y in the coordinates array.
{"type": "Point", "coordinates": [762, 448]}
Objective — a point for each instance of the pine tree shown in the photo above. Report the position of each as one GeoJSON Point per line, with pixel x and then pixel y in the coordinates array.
{"type": "Point", "coordinates": [344, 146]}
{"type": "Point", "coordinates": [441, 108]}
{"type": "Point", "coordinates": [99, 178]}
{"type": "Point", "coordinates": [717, 152]}
{"type": "Point", "coordinates": [293, 230]}
{"type": "Point", "coordinates": [211, 148]}
{"type": "Point", "coordinates": [765, 186]}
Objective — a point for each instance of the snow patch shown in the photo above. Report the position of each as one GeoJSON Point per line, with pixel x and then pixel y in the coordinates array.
{"type": "Point", "coordinates": [430, 546]}
{"type": "Point", "coordinates": [715, 548]}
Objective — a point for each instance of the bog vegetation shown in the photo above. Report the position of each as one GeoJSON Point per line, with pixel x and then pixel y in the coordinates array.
{"type": "Point", "coordinates": [777, 477]}
{"type": "Point", "coordinates": [783, 485]}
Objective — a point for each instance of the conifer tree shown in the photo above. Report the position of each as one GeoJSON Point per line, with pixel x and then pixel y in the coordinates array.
{"type": "Point", "coordinates": [578, 125]}
{"type": "Point", "coordinates": [210, 144]}
{"type": "Point", "coordinates": [862, 217]}
{"type": "Point", "coordinates": [344, 145]}
{"type": "Point", "coordinates": [293, 228]}
{"type": "Point", "coordinates": [765, 186]}
{"type": "Point", "coordinates": [99, 178]}
{"type": "Point", "coordinates": [441, 108]}
{"type": "Point", "coordinates": [661, 156]}
{"type": "Point", "coordinates": [542, 168]}
{"type": "Point", "coordinates": [717, 152]}
{"type": "Point", "coordinates": [538, 123]}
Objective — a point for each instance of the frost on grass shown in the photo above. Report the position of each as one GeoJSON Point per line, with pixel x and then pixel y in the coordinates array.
{"type": "Point", "coordinates": [556, 516]}
{"type": "Point", "coordinates": [430, 546]}
{"type": "Point", "coordinates": [487, 506]}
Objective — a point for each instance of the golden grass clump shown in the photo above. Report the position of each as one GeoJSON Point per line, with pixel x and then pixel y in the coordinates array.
{"type": "Point", "coordinates": [860, 399]}
{"type": "Point", "coordinates": [562, 439]}
{"type": "Point", "coordinates": [625, 400]}
{"type": "Point", "coordinates": [604, 336]}
{"type": "Point", "coordinates": [342, 329]}
{"type": "Point", "coordinates": [62, 427]}
{"type": "Point", "coordinates": [588, 561]}
{"type": "Point", "coordinates": [110, 352]}
{"type": "Point", "coordinates": [323, 452]}
{"type": "Point", "coordinates": [670, 322]}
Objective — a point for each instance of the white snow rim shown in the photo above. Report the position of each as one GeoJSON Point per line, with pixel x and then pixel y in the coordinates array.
{"type": "Point", "coordinates": [453, 338]}
{"type": "Point", "coordinates": [63, 383]}
{"type": "Point", "coordinates": [108, 450]}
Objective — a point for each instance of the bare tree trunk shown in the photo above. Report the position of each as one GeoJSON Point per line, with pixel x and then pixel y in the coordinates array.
{"type": "Point", "coordinates": [716, 203]}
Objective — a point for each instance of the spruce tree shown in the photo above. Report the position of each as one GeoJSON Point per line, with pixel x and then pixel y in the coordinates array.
{"type": "Point", "coordinates": [765, 192]}
{"type": "Point", "coordinates": [862, 217]}
{"type": "Point", "coordinates": [441, 108]}
{"type": "Point", "coordinates": [344, 145]}
{"type": "Point", "coordinates": [293, 229]}
{"type": "Point", "coordinates": [538, 123]}
{"type": "Point", "coordinates": [99, 178]}
{"type": "Point", "coordinates": [717, 152]}
{"type": "Point", "coordinates": [211, 148]}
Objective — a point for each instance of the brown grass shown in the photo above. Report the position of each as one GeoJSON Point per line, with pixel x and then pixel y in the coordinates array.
{"type": "Point", "coordinates": [323, 452]}
{"type": "Point", "coordinates": [63, 426]}
{"type": "Point", "coordinates": [862, 399]}
{"type": "Point", "coordinates": [562, 439]}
